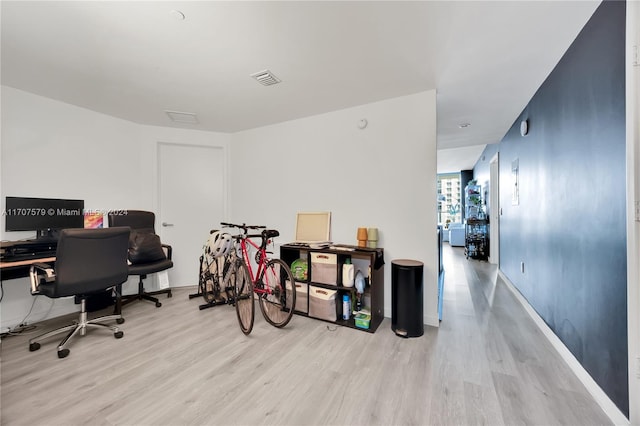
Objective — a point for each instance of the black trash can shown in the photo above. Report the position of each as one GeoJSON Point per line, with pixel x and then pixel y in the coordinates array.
{"type": "Point", "coordinates": [406, 297]}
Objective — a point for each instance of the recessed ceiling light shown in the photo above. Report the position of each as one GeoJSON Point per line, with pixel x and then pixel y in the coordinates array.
{"type": "Point", "coordinates": [182, 117]}
{"type": "Point", "coordinates": [464, 125]}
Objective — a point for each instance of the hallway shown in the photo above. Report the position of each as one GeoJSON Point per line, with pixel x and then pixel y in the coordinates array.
{"type": "Point", "coordinates": [498, 358]}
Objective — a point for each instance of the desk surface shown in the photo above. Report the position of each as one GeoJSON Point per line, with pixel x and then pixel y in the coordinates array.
{"type": "Point", "coordinates": [20, 268]}
{"type": "Point", "coordinates": [27, 262]}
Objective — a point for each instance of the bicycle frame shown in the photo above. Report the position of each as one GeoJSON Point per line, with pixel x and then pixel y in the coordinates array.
{"type": "Point", "coordinates": [245, 241]}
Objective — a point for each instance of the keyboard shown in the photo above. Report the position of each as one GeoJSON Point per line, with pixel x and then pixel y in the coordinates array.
{"type": "Point", "coordinates": [15, 251]}
{"type": "Point", "coordinates": [28, 256]}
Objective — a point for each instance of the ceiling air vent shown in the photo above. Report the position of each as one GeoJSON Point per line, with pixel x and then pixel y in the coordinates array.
{"type": "Point", "coordinates": [266, 78]}
{"type": "Point", "coordinates": [183, 117]}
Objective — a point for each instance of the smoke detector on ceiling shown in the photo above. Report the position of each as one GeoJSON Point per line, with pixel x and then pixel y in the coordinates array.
{"type": "Point", "coordinates": [182, 117]}
{"type": "Point", "coordinates": [266, 78]}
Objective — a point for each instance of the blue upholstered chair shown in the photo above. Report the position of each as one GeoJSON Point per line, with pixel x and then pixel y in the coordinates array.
{"type": "Point", "coordinates": [456, 234]}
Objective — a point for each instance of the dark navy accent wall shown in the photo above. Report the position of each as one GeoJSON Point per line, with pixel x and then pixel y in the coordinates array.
{"type": "Point", "coordinates": [569, 227]}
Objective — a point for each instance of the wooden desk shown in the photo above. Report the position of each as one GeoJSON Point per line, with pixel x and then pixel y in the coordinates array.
{"type": "Point", "coordinates": [20, 269]}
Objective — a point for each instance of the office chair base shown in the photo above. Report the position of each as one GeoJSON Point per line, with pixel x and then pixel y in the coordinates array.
{"type": "Point", "coordinates": [78, 327]}
{"type": "Point", "coordinates": [144, 296]}
{"type": "Point", "coordinates": [140, 295]}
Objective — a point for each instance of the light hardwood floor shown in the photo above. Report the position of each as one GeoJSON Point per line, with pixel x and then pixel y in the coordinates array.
{"type": "Point", "coordinates": [487, 364]}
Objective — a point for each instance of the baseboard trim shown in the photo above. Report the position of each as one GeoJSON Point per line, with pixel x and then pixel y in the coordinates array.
{"type": "Point", "coordinates": [432, 321]}
{"type": "Point", "coordinates": [607, 405]}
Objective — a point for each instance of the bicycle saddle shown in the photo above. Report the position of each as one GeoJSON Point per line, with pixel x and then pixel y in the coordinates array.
{"type": "Point", "coordinates": [270, 233]}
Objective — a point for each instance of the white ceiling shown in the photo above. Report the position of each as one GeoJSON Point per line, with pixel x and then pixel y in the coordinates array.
{"type": "Point", "coordinates": [453, 160]}
{"type": "Point", "coordinates": [134, 59]}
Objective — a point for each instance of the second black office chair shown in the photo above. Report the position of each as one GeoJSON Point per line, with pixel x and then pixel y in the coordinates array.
{"type": "Point", "coordinates": [142, 224]}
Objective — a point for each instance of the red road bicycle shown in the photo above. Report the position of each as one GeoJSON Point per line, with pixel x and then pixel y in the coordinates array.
{"type": "Point", "coordinates": [268, 283]}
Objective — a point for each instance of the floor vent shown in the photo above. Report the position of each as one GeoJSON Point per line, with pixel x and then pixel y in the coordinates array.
{"type": "Point", "coordinates": [266, 78]}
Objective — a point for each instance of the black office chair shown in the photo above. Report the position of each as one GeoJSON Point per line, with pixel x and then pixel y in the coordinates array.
{"type": "Point", "coordinates": [87, 261]}
{"type": "Point", "coordinates": [150, 257]}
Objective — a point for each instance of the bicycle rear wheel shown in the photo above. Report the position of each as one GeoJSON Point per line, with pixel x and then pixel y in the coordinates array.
{"type": "Point", "coordinates": [238, 277]}
{"type": "Point", "coordinates": [275, 303]}
{"type": "Point", "coordinates": [210, 277]}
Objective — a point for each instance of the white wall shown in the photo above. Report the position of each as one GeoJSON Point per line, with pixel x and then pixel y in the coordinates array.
{"type": "Point", "coordinates": [383, 176]}
{"type": "Point", "coordinates": [52, 149]}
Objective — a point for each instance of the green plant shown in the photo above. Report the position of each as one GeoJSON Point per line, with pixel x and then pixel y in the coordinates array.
{"type": "Point", "coordinates": [475, 200]}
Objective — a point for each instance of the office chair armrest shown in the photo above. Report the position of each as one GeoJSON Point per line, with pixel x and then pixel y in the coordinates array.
{"type": "Point", "coordinates": [40, 273]}
{"type": "Point", "coordinates": [46, 269]}
{"type": "Point", "coordinates": [167, 248]}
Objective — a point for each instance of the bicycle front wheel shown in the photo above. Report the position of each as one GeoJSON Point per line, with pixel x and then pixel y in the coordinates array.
{"type": "Point", "coordinates": [276, 303]}
{"type": "Point", "coordinates": [238, 276]}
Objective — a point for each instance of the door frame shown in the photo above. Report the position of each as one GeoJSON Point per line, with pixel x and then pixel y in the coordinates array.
{"type": "Point", "coordinates": [632, 87]}
{"type": "Point", "coordinates": [157, 192]}
{"type": "Point", "coordinates": [494, 209]}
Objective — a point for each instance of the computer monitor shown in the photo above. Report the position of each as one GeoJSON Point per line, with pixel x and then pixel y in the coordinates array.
{"type": "Point", "coordinates": [46, 216]}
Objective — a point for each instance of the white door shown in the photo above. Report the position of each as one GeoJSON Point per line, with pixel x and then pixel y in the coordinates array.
{"type": "Point", "coordinates": [494, 215]}
{"type": "Point", "coordinates": [191, 190]}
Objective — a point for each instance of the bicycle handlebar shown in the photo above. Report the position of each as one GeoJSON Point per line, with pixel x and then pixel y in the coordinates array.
{"type": "Point", "coordinates": [244, 226]}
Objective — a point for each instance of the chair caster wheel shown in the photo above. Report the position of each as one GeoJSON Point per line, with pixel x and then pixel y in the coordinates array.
{"type": "Point", "coordinates": [158, 304]}
{"type": "Point", "coordinates": [118, 334]}
{"type": "Point", "coordinates": [119, 320]}
{"type": "Point", "coordinates": [34, 346]}
{"type": "Point", "coordinates": [63, 353]}
{"type": "Point", "coordinates": [169, 295]}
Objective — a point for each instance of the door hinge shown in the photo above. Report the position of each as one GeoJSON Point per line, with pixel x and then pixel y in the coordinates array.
{"type": "Point", "coordinates": [636, 60]}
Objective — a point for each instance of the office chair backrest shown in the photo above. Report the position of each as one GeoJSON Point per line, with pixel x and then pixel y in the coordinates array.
{"type": "Point", "coordinates": [91, 260]}
{"type": "Point", "coordinates": [138, 220]}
